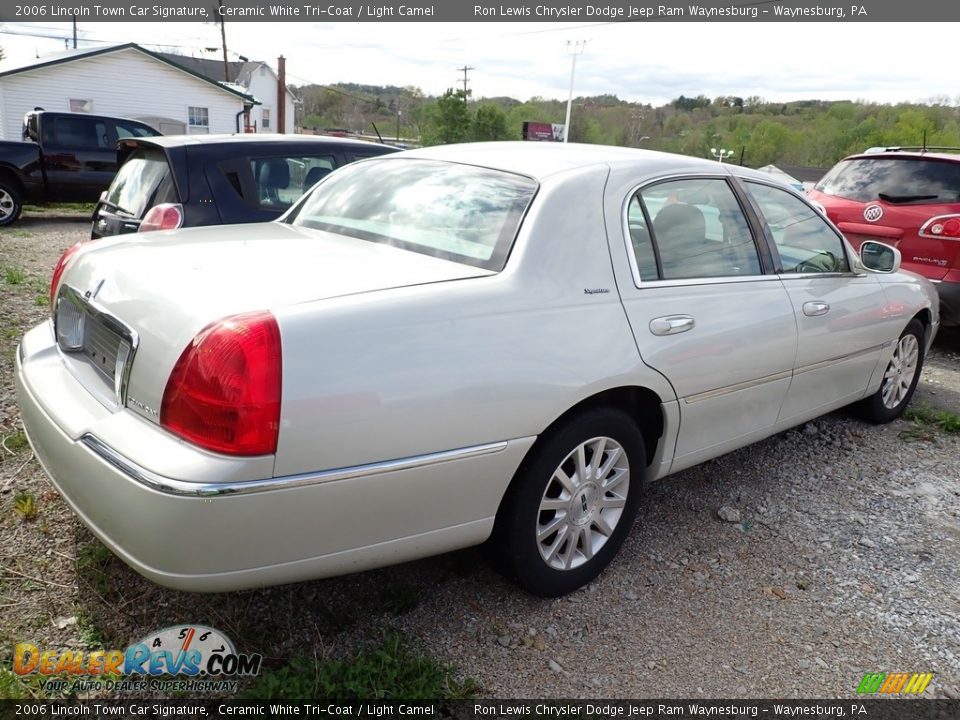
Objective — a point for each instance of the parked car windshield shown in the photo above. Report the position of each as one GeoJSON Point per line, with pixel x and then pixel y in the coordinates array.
{"type": "Point", "coordinates": [457, 212]}
{"type": "Point", "coordinates": [897, 180]}
{"type": "Point", "coordinates": [142, 181]}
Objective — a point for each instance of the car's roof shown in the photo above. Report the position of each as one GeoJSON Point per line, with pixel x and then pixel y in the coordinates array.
{"type": "Point", "coordinates": [899, 153]}
{"type": "Point", "coordinates": [167, 141]}
{"type": "Point", "coordinates": [542, 159]}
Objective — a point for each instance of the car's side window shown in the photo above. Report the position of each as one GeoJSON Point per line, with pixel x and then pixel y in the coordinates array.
{"type": "Point", "coordinates": [280, 181]}
{"type": "Point", "coordinates": [78, 133]}
{"type": "Point", "coordinates": [804, 240]}
{"type": "Point", "coordinates": [699, 230]}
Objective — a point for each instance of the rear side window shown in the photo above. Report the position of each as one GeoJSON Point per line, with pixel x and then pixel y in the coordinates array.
{"type": "Point", "coordinates": [281, 180]}
{"type": "Point", "coordinates": [909, 181]}
{"type": "Point", "coordinates": [698, 229]}
{"type": "Point", "coordinates": [77, 133]}
{"type": "Point", "coordinates": [142, 182]}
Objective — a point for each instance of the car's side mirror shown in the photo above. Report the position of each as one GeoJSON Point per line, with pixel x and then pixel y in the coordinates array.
{"type": "Point", "coordinates": [878, 257]}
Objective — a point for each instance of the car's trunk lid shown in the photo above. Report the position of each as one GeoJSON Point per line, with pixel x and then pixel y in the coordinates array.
{"type": "Point", "coordinates": [145, 298]}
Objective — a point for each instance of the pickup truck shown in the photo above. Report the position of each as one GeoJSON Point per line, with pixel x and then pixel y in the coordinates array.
{"type": "Point", "coordinates": [66, 157]}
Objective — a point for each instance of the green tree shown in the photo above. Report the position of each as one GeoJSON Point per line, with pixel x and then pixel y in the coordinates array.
{"type": "Point", "coordinates": [490, 123]}
{"type": "Point", "coordinates": [449, 120]}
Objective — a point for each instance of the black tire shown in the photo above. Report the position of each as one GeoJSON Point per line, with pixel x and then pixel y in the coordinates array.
{"type": "Point", "coordinates": [900, 378]}
{"type": "Point", "coordinates": [591, 528]}
{"type": "Point", "coordinates": [10, 202]}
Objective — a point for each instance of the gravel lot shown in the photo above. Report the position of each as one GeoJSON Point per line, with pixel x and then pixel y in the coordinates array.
{"type": "Point", "coordinates": [839, 555]}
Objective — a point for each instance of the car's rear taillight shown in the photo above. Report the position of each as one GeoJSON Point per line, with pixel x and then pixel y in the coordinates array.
{"type": "Point", "coordinates": [59, 268]}
{"type": "Point", "coordinates": [224, 391]}
{"type": "Point", "coordinates": [941, 226]}
{"type": "Point", "coordinates": [166, 216]}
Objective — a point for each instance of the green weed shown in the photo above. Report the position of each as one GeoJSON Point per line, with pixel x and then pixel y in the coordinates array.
{"type": "Point", "coordinates": [15, 276]}
{"type": "Point", "coordinates": [25, 505]}
{"type": "Point", "coordinates": [17, 441]}
{"type": "Point", "coordinates": [923, 414]}
{"type": "Point", "coordinates": [392, 671]}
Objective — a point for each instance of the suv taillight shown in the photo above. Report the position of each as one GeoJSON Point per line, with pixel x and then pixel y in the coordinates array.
{"type": "Point", "coordinates": [942, 226]}
{"type": "Point", "coordinates": [166, 216]}
{"type": "Point", "coordinates": [59, 268]}
{"type": "Point", "coordinates": [224, 391]}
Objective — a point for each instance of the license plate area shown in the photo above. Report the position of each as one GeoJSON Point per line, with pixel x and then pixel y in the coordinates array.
{"type": "Point", "coordinates": [96, 347]}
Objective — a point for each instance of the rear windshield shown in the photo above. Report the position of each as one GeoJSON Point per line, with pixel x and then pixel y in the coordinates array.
{"type": "Point", "coordinates": [908, 181]}
{"type": "Point", "coordinates": [461, 213]}
{"type": "Point", "coordinates": [142, 182]}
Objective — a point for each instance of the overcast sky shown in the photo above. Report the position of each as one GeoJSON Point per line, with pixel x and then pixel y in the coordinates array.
{"type": "Point", "coordinates": [642, 62]}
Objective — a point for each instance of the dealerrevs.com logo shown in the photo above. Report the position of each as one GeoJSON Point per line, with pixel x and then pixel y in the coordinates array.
{"type": "Point", "coordinates": [894, 683]}
{"type": "Point", "coordinates": [181, 657]}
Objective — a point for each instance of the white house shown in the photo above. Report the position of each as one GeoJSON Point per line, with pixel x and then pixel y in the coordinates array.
{"type": "Point", "coordinates": [258, 80]}
{"type": "Point", "coordinates": [122, 80]}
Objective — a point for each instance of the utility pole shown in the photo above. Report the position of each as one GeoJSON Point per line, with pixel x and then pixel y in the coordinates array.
{"type": "Point", "coordinates": [577, 49]}
{"type": "Point", "coordinates": [465, 69]}
{"type": "Point", "coordinates": [74, 31]}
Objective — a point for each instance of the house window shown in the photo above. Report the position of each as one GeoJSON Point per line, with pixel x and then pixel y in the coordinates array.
{"type": "Point", "coordinates": [198, 120]}
{"type": "Point", "coordinates": [84, 106]}
{"type": "Point", "coordinates": [265, 119]}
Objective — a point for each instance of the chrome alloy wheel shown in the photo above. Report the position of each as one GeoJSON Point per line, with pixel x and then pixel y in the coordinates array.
{"type": "Point", "coordinates": [901, 371]}
{"type": "Point", "coordinates": [583, 502]}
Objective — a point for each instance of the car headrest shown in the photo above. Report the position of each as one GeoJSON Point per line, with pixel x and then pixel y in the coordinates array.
{"type": "Point", "coordinates": [275, 173]}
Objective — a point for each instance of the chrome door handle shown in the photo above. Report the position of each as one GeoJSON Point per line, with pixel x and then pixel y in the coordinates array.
{"type": "Point", "coordinates": [671, 324]}
{"type": "Point", "coordinates": [815, 307]}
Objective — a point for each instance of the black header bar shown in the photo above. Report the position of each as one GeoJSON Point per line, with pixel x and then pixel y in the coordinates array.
{"type": "Point", "coordinates": [576, 11]}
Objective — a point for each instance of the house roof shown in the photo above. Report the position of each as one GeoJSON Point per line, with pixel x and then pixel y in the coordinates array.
{"type": "Point", "coordinates": [15, 68]}
{"type": "Point", "coordinates": [210, 69]}
{"type": "Point", "coordinates": [239, 71]}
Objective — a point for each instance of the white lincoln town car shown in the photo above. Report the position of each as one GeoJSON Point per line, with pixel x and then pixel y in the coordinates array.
{"type": "Point", "coordinates": [497, 343]}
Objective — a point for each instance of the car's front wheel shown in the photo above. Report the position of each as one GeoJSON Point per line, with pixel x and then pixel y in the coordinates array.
{"type": "Point", "coordinates": [574, 499]}
{"type": "Point", "coordinates": [899, 378]}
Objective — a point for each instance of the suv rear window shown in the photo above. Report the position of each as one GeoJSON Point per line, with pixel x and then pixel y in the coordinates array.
{"type": "Point", "coordinates": [142, 182]}
{"type": "Point", "coordinates": [898, 180]}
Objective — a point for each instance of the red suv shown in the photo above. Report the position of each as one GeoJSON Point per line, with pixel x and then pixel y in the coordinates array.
{"type": "Point", "coordinates": [908, 198]}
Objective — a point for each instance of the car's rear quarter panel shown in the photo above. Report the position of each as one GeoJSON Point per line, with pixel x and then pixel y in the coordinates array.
{"type": "Point", "coordinates": [437, 367]}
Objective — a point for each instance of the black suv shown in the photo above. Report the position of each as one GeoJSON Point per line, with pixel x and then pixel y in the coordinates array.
{"type": "Point", "coordinates": [190, 180]}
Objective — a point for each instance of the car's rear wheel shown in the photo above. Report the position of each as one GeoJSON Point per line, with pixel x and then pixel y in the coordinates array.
{"type": "Point", "coordinates": [899, 378]}
{"type": "Point", "coordinates": [10, 204]}
{"type": "Point", "coordinates": [572, 503]}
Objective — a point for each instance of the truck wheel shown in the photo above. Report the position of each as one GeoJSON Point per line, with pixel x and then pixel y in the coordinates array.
{"type": "Point", "coordinates": [572, 503]}
{"type": "Point", "coordinates": [10, 204]}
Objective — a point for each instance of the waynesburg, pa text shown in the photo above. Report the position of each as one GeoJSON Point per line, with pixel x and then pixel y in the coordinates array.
{"type": "Point", "coordinates": [565, 711]}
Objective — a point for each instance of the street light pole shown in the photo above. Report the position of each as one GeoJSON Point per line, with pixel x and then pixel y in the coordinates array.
{"type": "Point", "coordinates": [578, 47]}
{"type": "Point", "coordinates": [720, 154]}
